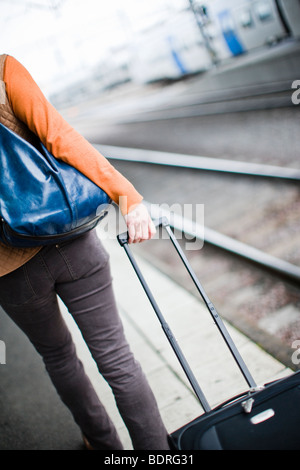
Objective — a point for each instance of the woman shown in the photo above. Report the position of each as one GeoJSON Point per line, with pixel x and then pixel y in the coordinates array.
{"type": "Point", "coordinates": [78, 272]}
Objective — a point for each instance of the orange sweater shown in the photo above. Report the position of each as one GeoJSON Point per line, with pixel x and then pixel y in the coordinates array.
{"type": "Point", "coordinates": [30, 106]}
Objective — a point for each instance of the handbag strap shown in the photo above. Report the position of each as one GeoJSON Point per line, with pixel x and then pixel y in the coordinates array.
{"type": "Point", "coordinates": [2, 62]}
{"type": "Point", "coordinates": [3, 97]}
{"type": "Point", "coordinates": [7, 115]}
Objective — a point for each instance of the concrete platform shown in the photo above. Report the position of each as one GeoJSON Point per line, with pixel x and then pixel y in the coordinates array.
{"type": "Point", "coordinates": [196, 334]}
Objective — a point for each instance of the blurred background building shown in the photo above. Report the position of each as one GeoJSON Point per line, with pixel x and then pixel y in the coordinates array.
{"type": "Point", "coordinates": [93, 45]}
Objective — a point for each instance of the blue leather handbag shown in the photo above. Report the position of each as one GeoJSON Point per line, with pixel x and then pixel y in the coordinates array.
{"type": "Point", "coordinates": [42, 199]}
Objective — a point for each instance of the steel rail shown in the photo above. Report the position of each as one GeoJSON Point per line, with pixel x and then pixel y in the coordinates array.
{"type": "Point", "coordinates": [214, 100]}
{"type": "Point", "coordinates": [198, 162]}
{"type": "Point", "coordinates": [227, 94]}
{"type": "Point", "coordinates": [239, 105]}
{"type": "Point", "coordinates": [193, 229]}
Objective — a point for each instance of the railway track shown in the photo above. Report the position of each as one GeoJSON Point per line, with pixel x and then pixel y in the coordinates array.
{"type": "Point", "coordinates": [254, 285]}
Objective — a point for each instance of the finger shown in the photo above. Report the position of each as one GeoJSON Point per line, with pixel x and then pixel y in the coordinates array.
{"type": "Point", "coordinates": [151, 228]}
{"type": "Point", "coordinates": [131, 232]}
{"type": "Point", "coordinates": [145, 230]}
{"type": "Point", "coordinates": [138, 234]}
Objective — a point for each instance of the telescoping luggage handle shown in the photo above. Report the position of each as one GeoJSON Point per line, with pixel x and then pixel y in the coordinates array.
{"type": "Point", "coordinates": [163, 222]}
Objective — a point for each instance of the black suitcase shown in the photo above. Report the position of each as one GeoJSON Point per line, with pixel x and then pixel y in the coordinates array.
{"type": "Point", "coordinates": [263, 418]}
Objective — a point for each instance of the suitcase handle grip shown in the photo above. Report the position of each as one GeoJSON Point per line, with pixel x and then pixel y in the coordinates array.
{"type": "Point", "coordinates": [161, 222]}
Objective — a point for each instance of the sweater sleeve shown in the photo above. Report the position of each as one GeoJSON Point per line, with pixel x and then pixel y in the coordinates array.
{"type": "Point", "coordinates": [30, 106]}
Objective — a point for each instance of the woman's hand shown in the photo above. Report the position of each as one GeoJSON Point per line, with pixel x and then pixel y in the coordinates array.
{"type": "Point", "coordinates": [139, 224]}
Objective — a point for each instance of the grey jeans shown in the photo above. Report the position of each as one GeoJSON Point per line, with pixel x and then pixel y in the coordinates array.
{"type": "Point", "coordinates": [79, 273]}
